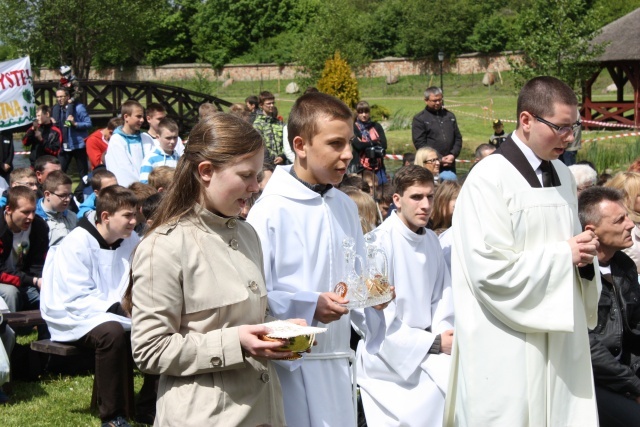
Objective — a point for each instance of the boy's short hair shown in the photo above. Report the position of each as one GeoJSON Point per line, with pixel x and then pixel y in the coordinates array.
{"type": "Point", "coordinates": [43, 161]}
{"type": "Point", "coordinates": [19, 192]}
{"type": "Point", "coordinates": [43, 108]}
{"type": "Point", "coordinates": [355, 180]}
{"type": "Point", "coordinates": [265, 95]}
{"type": "Point", "coordinates": [411, 175]}
{"type": "Point", "coordinates": [115, 122]}
{"type": "Point", "coordinates": [98, 176]}
{"type": "Point", "coordinates": [54, 179]}
{"type": "Point", "coordinates": [309, 108]}
{"type": "Point", "coordinates": [142, 191]}
{"type": "Point", "coordinates": [253, 100]}
{"type": "Point", "coordinates": [150, 205]}
{"type": "Point", "coordinates": [19, 174]}
{"type": "Point", "coordinates": [114, 198]}
{"type": "Point", "coordinates": [168, 124]}
{"type": "Point", "coordinates": [384, 193]}
{"type": "Point", "coordinates": [161, 177]}
{"type": "Point", "coordinates": [207, 108]}
{"type": "Point", "coordinates": [129, 106]}
{"type": "Point", "coordinates": [154, 107]}
{"type": "Point", "coordinates": [408, 158]}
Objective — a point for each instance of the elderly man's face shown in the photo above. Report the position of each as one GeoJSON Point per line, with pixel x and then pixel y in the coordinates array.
{"type": "Point", "coordinates": [614, 229]}
{"type": "Point", "coordinates": [434, 102]}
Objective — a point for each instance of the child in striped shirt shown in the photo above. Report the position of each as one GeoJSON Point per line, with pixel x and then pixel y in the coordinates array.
{"type": "Point", "coordinates": [163, 154]}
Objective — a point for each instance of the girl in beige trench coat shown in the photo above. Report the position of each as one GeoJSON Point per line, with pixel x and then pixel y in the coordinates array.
{"type": "Point", "coordinates": [198, 289]}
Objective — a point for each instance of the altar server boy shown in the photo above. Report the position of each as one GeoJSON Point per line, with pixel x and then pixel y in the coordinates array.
{"type": "Point", "coordinates": [406, 381]}
{"type": "Point", "coordinates": [302, 222]}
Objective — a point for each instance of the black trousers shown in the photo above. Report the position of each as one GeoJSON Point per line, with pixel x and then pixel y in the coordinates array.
{"type": "Point", "coordinates": [114, 372]}
{"type": "Point", "coordinates": [616, 410]}
{"type": "Point", "coordinates": [82, 161]}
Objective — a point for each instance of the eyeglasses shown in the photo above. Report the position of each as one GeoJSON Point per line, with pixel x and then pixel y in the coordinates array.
{"type": "Point", "coordinates": [430, 161]}
{"type": "Point", "coordinates": [561, 130]}
{"type": "Point", "coordinates": [63, 196]}
{"type": "Point", "coordinates": [27, 183]}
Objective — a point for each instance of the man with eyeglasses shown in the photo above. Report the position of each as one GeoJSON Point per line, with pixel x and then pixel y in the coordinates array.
{"type": "Point", "coordinates": [436, 127]}
{"type": "Point", "coordinates": [54, 206]}
{"type": "Point", "coordinates": [525, 290]}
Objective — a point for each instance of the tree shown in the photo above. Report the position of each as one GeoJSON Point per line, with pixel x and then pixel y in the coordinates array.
{"type": "Point", "coordinates": [555, 36]}
{"type": "Point", "coordinates": [227, 29]}
{"type": "Point", "coordinates": [76, 32]}
{"type": "Point", "coordinates": [337, 26]}
{"type": "Point", "coordinates": [170, 40]}
{"type": "Point", "coordinates": [337, 80]}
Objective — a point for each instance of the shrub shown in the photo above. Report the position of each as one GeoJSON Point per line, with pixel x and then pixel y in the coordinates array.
{"type": "Point", "coordinates": [338, 80]}
{"type": "Point", "coordinates": [379, 113]}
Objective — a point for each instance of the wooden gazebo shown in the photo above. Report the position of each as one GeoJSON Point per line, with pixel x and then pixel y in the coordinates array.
{"type": "Point", "coordinates": [621, 58]}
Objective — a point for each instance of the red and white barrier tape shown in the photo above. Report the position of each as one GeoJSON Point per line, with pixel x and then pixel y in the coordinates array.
{"type": "Point", "coordinates": [611, 125]}
{"type": "Point", "coordinates": [620, 135]}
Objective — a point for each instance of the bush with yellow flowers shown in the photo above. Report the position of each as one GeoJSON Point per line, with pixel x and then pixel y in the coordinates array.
{"type": "Point", "coordinates": [337, 80]}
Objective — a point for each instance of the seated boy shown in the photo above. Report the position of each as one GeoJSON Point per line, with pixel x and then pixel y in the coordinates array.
{"type": "Point", "coordinates": [142, 193]}
{"type": "Point", "coordinates": [98, 142]}
{"type": "Point", "coordinates": [164, 153]}
{"type": "Point", "coordinates": [128, 146]}
{"type": "Point", "coordinates": [302, 222]}
{"type": "Point", "coordinates": [161, 178]}
{"type": "Point", "coordinates": [407, 380]}
{"type": "Point", "coordinates": [24, 239]}
{"type": "Point", "coordinates": [21, 176]}
{"type": "Point", "coordinates": [43, 167]}
{"type": "Point", "coordinates": [53, 207]}
{"type": "Point", "coordinates": [85, 279]}
{"type": "Point", "coordinates": [101, 178]}
{"type": "Point", "coordinates": [155, 113]}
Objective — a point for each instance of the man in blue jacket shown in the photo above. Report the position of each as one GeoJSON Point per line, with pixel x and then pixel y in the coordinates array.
{"type": "Point", "coordinates": [75, 128]}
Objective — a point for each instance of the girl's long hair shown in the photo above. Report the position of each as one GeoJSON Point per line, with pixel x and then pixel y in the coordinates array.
{"type": "Point", "coordinates": [219, 138]}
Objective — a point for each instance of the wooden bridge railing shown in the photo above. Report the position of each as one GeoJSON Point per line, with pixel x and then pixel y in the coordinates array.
{"type": "Point", "coordinates": [103, 99]}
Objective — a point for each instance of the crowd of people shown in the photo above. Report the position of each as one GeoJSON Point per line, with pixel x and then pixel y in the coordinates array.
{"type": "Point", "coordinates": [516, 283]}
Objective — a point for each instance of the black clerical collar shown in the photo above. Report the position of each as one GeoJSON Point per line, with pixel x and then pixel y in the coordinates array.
{"type": "Point", "coordinates": [91, 229]}
{"type": "Point", "coordinates": [321, 189]}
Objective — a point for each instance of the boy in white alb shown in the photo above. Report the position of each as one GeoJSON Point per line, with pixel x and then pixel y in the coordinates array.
{"type": "Point", "coordinates": [164, 154]}
{"type": "Point", "coordinates": [302, 221]}
{"type": "Point", "coordinates": [406, 381]}
{"type": "Point", "coordinates": [84, 280]}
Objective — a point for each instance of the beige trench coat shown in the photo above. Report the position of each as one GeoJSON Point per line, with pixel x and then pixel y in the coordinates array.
{"type": "Point", "coordinates": [195, 282]}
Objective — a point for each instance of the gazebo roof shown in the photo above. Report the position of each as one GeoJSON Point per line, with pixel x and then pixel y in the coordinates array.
{"type": "Point", "coordinates": [621, 38]}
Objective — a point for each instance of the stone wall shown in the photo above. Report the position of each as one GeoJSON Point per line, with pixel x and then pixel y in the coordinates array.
{"type": "Point", "coordinates": [463, 64]}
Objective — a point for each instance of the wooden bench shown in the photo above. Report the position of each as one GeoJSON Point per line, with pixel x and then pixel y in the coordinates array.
{"type": "Point", "coordinates": [24, 319]}
{"type": "Point", "coordinates": [63, 349]}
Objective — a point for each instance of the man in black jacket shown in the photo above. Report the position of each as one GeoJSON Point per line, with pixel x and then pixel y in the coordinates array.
{"type": "Point", "coordinates": [615, 341]}
{"type": "Point", "coordinates": [436, 127]}
{"type": "Point", "coordinates": [24, 239]}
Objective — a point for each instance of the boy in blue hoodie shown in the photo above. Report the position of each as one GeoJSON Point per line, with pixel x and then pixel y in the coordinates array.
{"type": "Point", "coordinates": [128, 146]}
{"type": "Point", "coordinates": [54, 206]}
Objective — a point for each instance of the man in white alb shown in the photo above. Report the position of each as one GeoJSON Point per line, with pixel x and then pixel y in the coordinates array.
{"type": "Point", "coordinates": [523, 283]}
